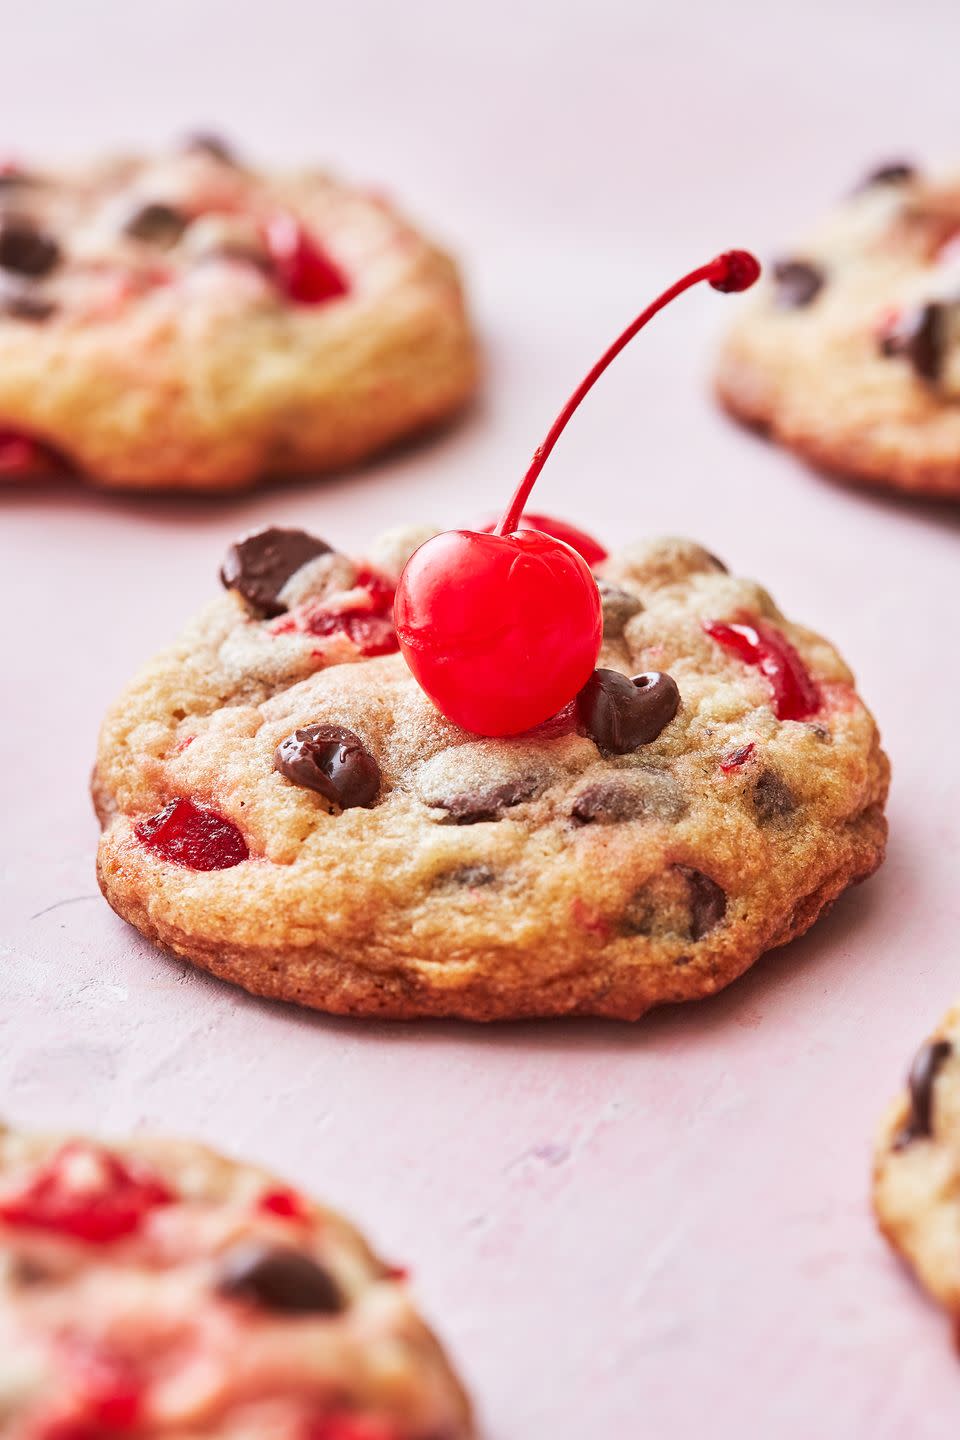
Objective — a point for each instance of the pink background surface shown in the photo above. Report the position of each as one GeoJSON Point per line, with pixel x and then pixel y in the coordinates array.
{"type": "Point", "coordinates": [657, 1230]}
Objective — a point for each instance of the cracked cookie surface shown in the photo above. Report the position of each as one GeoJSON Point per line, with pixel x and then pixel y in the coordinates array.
{"type": "Point", "coordinates": [154, 1289]}
{"type": "Point", "coordinates": [850, 351]}
{"type": "Point", "coordinates": [916, 1182]}
{"type": "Point", "coordinates": [188, 322]}
{"type": "Point", "coordinates": [487, 879]}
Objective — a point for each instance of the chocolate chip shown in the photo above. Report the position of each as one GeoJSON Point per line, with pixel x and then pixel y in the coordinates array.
{"type": "Point", "coordinates": [920, 336]}
{"type": "Point", "coordinates": [234, 253]}
{"type": "Point", "coordinates": [620, 714]}
{"type": "Point", "coordinates": [24, 248]}
{"type": "Point", "coordinates": [618, 606]}
{"type": "Point", "coordinates": [772, 797]}
{"type": "Point", "coordinates": [24, 302]}
{"type": "Point", "coordinates": [632, 795]}
{"type": "Point", "coordinates": [468, 877]}
{"type": "Point", "coordinates": [708, 901]}
{"type": "Point", "coordinates": [205, 142]}
{"type": "Point", "coordinates": [679, 904]}
{"type": "Point", "coordinates": [797, 282]}
{"type": "Point", "coordinates": [470, 807]}
{"type": "Point", "coordinates": [927, 1063]}
{"type": "Point", "coordinates": [604, 803]}
{"type": "Point", "coordinates": [157, 224]}
{"type": "Point", "coordinates": [28, 1272]}
{"type": "Point", "coordinates": [12, 179]}
{"type": "Point", "coordinates": [281, 1280]}
{"type": "Point", "coordinates": [261, 564]}
{"type": "Point", "coordinates": [895, 172]}
{"type": "Point", "coordinates": [332, 761]}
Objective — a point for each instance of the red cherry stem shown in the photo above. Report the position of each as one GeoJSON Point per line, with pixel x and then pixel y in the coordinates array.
{"type": "Point", "coordinates": [731, 271]}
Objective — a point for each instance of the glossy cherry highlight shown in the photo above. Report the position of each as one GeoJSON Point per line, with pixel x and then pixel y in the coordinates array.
{"type": "Point", "coordinates": [503, 629]}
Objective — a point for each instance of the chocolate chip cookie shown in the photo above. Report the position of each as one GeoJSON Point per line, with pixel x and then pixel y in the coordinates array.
{"type": "Point", "coordinates": [916, 1183]}
{"type": "Point", "coordinates": [156, 1289]}
{"type": "Point", "coordinates": [850, 353]}
{"type": "Point", "coordinates": [189, 322]}
{"type": "Point", "coordinates": [283, 805]}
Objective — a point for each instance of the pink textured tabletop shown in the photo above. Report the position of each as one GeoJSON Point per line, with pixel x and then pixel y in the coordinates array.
{"type": "Point", "coordinates": [657, 1230]}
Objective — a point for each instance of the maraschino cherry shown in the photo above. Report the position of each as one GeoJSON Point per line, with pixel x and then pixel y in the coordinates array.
{"type": "Point", "coordinates": [502, 630]}
{"type": "Point", "coordinates": [591, 550]}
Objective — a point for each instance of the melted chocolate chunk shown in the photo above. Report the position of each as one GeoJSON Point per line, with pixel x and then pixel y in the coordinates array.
{"type": "Point", "coordinates": [24, 302]}
{"type": "Point", "coordinates": [896, 172]}
{"type": "Point", "coordinates": [678, 904]}
{"type": "Point", "coordinates": [468, 877]}
{"type": "Point", "coordinates": [634, 795]}
{"type": "Point", "coordinates": [261, 564]}
{"type": "Point", "coordinates": [708, 902]}
{"type": "Point", "coordinates": [605, 803]}
{"type": "Point", "coordinates": [205, 142]}
{"type": "Point", "coordinates": [24, 248]}
{"type": "Point", "coordinates": [797, 282]}
{"type": "Point", "coordinates": [235, 253]}
{"type": "Point", "coordinates": [331, 760]}
{"type": "Point", "coordinates": [471, 807]}
{"type": "Point", "coordinates": [920, 336]}
{"type": "Point", "coordinates": [620, 714]}
{"type": "Point", "coordinates": [157, 224]}
{"type": "Point", "coordinates": [283, 1281]}
{"type": "Point", "coordinates": [618, 606]}
{"type": "Point", "coordinates": [772, 797]}
{"type": "Point", "coordinates": [927, 1063]}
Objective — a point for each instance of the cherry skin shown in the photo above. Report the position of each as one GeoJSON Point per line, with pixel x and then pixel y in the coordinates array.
{"type": "Point", "coordinates": [584, 544]}
{"type": "Point", "coordinates": [503, 629]}
{"type": "Point", "coordinates": [521, 624]}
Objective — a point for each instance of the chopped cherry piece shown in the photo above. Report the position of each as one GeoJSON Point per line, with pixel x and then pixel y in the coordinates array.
{"type": "Point", "coordinates": [285, 1204]}
{"type": "Point", "coordinates": [119, 1406]}
{"type": "Point", "coordinates": [305, 273]}
{"type": "Point", "coordinates": [735, 758]}
{"type": "Point", "coordinates": [795, 695]}
{"type": "Point", "coordinates": [584, 544]}
{"type": "Point", "coordinates": [21, 454]}
{"type": "Point", "coordinates": [111, 1396]}
{"type": "Point", "coordinates": [372, 634]}
{"type": "Point", "coordinates": [194, 836]}
{"type": "Point", "coordinates": [345, 1426]}
{"type": "Point", "coordinates": [368, 623]}
{"type": "Point", "coordinates": [88, 1193]}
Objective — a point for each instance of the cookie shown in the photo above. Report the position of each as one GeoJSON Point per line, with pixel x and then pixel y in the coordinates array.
{"type": "Point", "coordinates": [156, 1289]}
{"type": "Point", "coordinates": [850, 353]}
{"type": "Point", "coordinates": [282, 804]}
{"type": "Point", "coordinates": [916, 1183]}
{"type": "Point", "coordinates": [188, 322]}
